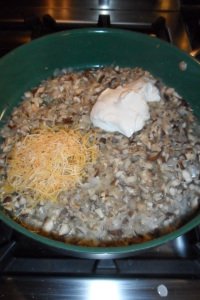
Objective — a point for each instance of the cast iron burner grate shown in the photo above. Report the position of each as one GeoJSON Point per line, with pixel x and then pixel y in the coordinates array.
{"type": "Point", "coordinates": [16, 32]}
{"type": "Point", "coordinates": [46, 25]}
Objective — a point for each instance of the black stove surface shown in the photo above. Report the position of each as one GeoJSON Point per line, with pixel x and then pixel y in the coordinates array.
{"type": "Point", "coordinates": [29, 270]}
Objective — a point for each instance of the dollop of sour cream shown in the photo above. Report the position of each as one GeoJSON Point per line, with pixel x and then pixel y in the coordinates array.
{"type": "Point", "coordinates": [125, 109]}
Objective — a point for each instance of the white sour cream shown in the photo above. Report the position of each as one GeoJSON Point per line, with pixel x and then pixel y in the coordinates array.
{"type": "Point", "coordinates": [124, 109]}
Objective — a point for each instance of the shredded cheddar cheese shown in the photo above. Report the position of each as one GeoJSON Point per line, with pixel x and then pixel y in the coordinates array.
{"type": "Point", "coordinates": [48, 162]}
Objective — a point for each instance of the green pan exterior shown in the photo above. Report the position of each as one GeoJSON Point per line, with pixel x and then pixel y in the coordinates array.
{"type": "Point", "coordinates": [26, 66]}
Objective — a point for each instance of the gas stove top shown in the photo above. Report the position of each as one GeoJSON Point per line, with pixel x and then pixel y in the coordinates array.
{"type": "Point", "coordinates": [28, 20]}
{"type": "Point", "coordinates": [29, 270]}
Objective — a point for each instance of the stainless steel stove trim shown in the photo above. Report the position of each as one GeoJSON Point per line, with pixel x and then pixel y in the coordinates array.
{"type": "Point", "coordinates": [59, 288]}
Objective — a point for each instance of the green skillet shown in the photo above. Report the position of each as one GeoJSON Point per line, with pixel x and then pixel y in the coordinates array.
{"type": "Point", "coordinates": [26, 66]}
